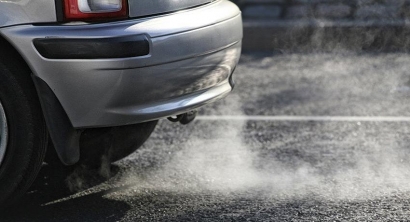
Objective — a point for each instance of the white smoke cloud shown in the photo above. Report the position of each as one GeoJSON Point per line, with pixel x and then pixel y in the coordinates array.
{"type": "Point", "coordinates": [218, 156]}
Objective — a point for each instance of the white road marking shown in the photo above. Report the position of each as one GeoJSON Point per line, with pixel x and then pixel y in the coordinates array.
{"type": "Point", "coordinates": [310, 118]}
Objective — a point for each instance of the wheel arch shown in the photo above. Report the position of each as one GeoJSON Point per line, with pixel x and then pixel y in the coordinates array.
{"type": "Point", "coordinates": [27, 137]}
{"type": "Point", "coordinates": [64, 137]}
{"type": "Point", "coordinates": [11, 52]}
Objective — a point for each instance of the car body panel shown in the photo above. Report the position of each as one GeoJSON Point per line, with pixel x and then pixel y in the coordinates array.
{"type": "Point", "coordinates": [192, 56]}
{"type": "Point", "coordinates": [141, 8]}
{"type": "Point", "coordinates": [13, 12]}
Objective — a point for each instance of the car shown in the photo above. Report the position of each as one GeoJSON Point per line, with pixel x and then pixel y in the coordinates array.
{"type": "Point", "coordinates": [85, 81]}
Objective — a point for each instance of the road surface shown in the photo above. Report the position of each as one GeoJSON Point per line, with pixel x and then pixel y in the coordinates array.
{"type": "Point", "coordinates": [304, 137]}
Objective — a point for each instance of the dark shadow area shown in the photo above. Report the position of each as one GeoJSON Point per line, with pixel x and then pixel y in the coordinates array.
{"type": "Point", "coordinates": [49, 200]}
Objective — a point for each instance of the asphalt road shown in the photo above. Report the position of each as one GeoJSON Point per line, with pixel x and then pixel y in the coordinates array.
{"type": "Point", "coordinates": [289, 144]}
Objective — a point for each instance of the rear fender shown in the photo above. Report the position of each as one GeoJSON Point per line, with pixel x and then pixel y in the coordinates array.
{"type": "Point", "coordinates": [27, 12]}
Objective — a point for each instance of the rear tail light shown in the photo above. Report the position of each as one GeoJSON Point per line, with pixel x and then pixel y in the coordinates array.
{"type": "Point", "coordinates": [75, 10]}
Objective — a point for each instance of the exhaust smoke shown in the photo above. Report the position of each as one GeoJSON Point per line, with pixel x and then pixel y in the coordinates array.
{"type": "Point", "coordinates": [331, 160]}
{"type": "Point", "coordinates": [234, 158]}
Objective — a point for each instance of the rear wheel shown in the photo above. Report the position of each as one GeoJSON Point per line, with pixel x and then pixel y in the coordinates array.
{"type": "Point", "coordinates": [23, 134]}
{"type": "Point", "coordinates": [4, 132]}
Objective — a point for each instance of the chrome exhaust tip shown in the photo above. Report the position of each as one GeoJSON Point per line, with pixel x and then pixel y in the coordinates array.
{"type": "Point", "coordinates": [185, 118]}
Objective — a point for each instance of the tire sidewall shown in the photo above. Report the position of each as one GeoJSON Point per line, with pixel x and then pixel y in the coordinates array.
{"type": "Point", "coordinates": [22, 119]}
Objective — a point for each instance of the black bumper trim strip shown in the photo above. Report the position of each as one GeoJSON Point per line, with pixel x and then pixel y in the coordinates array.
{"type": "Point", "coordinates": [102, 48]}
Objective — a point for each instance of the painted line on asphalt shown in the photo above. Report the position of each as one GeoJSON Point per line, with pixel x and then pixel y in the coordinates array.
{"type": "Point", "coordinates": [310, 118]}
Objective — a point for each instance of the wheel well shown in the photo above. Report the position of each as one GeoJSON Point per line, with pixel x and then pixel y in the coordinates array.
{"type": "Point", "coordinates": [64, 137]}
{"type": "Point", "coordinates": [11, 55]}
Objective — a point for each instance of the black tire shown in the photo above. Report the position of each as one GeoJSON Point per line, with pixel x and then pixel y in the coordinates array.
{"type": "Point", "coordinates": [27, 133]}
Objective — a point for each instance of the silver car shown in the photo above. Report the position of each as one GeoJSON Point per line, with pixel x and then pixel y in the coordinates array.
{"type": "Point", "coordinates": [90, 78]}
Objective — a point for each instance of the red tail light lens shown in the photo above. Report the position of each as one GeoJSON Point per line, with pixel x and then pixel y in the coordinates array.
{"type": "Point", "coordinates": [83, 10]}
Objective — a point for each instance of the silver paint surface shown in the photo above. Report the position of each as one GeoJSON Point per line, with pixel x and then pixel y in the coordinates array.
{"type": "Point", "coordinates": [13, 12]}
{"type": "Point", "coordinates": [191, 58]}
{"type": "Point", "coordinates": [138, 8]}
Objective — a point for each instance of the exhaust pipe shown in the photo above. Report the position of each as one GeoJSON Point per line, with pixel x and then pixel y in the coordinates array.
{"type": "Point", "coordinates": [185, 118]}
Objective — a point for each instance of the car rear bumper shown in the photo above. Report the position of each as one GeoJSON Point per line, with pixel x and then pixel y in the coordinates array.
{"type": "Point", "coordinates": [187, 62]}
